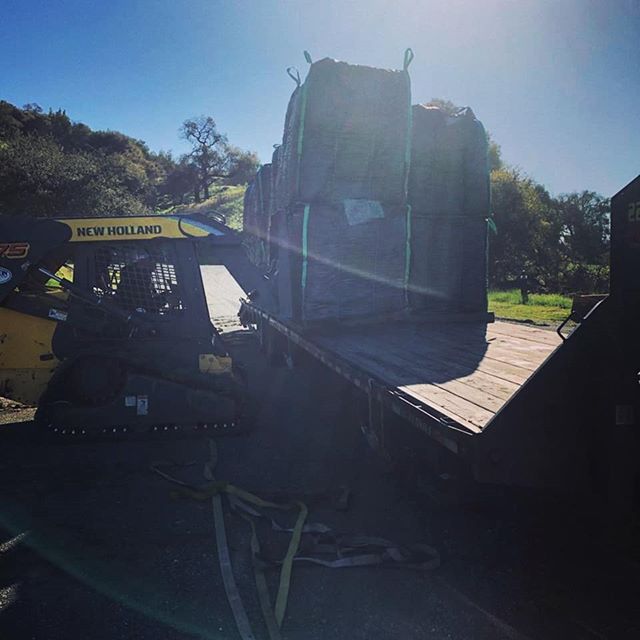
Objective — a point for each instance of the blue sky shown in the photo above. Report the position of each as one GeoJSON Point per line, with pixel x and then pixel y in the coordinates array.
{"type": "Point", "coordinates": [557, 82]}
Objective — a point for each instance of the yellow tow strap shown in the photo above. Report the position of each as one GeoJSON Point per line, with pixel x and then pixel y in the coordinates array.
{"type": "Point", "coordinates": [349, 550]}
{"type": "Point", "coordinates": [213, 491]}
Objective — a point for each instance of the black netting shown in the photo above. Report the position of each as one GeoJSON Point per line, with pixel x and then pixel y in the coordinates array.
{"type": "Point", "coordinates": [448, 264]}
{"type": "Point", "coordinates": [449, 169]}
{"type": "Point", "coordinates": [449, 198]}
{"type": "Point", "coordinates": [337, 266]}
{"type": "Point", "coordinates": [138, 278]}
{"type": "Point", "coordinates": [345, 136]}
{"type": "Point", "coordinates": [257, 211]}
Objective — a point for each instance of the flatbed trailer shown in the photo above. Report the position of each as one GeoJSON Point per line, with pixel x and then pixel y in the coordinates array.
{"type": "Point", "coordinates": [515, 405]}
{"type": "Point", "coordinates": [520, 405]}
{"type": "Point", "coordinates": [449, 380]}
{"type": "Point", "coordinates": [453, 381]}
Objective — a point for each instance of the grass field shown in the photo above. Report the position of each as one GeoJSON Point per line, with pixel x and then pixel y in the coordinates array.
{"type": "Point", "coordinates": [542, 308]}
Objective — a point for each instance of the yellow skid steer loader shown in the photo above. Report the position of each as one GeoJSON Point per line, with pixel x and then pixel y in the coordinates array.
{"type": "Point", "coordinates": [104, 325]}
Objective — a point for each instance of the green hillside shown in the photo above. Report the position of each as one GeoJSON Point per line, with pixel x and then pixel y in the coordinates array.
{"type": "Point", "coordinates": [51, 165]}
{"type": "Point", "coordinates": [225, 199]}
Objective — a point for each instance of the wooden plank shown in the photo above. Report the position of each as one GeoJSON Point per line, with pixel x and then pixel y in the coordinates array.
{"type": "Point", "coordinates": [488, 383]}
{"type": "Point", "coordinates": [438, 367]}
{"type": "Point", "coordinates": [518, 345]}
{"type": "Point", "coordinates": [513, 341]}
{"type": "Point", "coordinates": [468, 414]}
{"type": "Point", "coordinates": [505, 371]}
{"type": "Point", "coordinates": [404, 372]}
{"type": "Point", "coordinates": [479, 398]}
{"type": "Point", "coordinates": [391, 369]}
{"type": "Point", "coordinates": [454, 370]}
{"type": "Point", "coordinates": [403, 369]}
{"type": "Point", "coordinates": [458, 356]}
{"type": "Point", "coordinates": [477, 388]}
{"type": "Point", "coordinates": [549, 337]}
{"type": "Point", "coordinates": [503, 351]}
{"type": "Point", "coordinates": [433, 344]}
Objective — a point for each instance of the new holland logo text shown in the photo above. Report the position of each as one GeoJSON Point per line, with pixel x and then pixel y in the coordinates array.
{"type": "Point", "coordinates": [121, 230]}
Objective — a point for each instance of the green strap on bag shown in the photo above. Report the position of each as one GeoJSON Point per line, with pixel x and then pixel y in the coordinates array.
{"type": "Point", "coordinates": [408, 58]}
{"type": "Point", "coordinates": [305, 250]}
{"type": "Point", "coordinates": [303, 113]}
{"type": "Point", "coordinates": [407, 256]}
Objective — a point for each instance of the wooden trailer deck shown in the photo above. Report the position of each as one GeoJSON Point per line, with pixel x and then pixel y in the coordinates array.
{"type": "Point", "coordinates": [465, 372]}
{"type": "Point", "coordinates": [447, 379]}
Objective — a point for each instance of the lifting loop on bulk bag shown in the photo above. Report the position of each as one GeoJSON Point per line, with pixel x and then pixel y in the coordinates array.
{"type": "Point", "coordinates": [408, 58]}
{"type": "Point", "coordinates": [307, 56]}
{"type": "Point", "coordinates": [296, 77]}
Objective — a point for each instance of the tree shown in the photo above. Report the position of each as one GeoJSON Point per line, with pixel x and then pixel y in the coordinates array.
{"type": "Point", "coordinates": [213, 156]}
{"type": "Point", "coordinates": [50, 165]}
{"type": "Point", "coordinates": [243, 165]}
{"type": "Point", "coordinates": [528, 237]}
{"type": "Point", "coordinates": [182, 179]}
{"type": "Point", "coordinates": [494, 154]}
{"type": "Point", "coordinates": [585, 231]}
{"type": "Point", "coordinates": [210, 153]}
{"type": "Point", "coordinates": [38, 177]}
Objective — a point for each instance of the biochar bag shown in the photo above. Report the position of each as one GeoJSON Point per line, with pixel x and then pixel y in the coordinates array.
{"type": "Point", "coordinates": [272, 231]}
{"type": "Point", "coordinates": [342, 242]}
{"type": "Point", "coordinates": [250, 209]}
{"type": "Point", "coordinates": [257, 211]}
{"type": "Point", "coordinates": [449, 198]}
{"type": "Point", "coordinates": [346, 135]}
{"type": "Point", "coordinates": [448, 269]}
{"type": "Point", "coordinates": [345, 261]}
{"type": "Point", "coordinates": [263, 182]}
{"type": "Point", "coordinates": [449, 169]}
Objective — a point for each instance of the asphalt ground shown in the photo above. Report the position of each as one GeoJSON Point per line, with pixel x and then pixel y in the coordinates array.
{"type": "Point", "coordinates": [93, 544]}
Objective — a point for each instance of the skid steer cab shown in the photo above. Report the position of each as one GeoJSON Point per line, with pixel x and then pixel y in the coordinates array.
{"type": "Point", "coordinates": [104, 325]}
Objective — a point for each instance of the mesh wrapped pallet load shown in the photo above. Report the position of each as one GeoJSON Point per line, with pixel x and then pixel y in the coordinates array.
{"type": "Point", "coordinates": [263, 180]}
{"type": "Point", "coordinates": [449, 198]}
{"type": "Point", "coordinates": [272, 222]}
{"type": "Point", "coordinates": [344, 261]}
{"type": "Point", "coordinates": [257, 210]}
{"type": "Point", "coordinates": [250, 218]}
{"type": "Point", "coordinates": [346, 135]}
{"type": "Point", "coordinates": [449, 170]}
{"type": "Point", "coordinates": [448, 270]}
